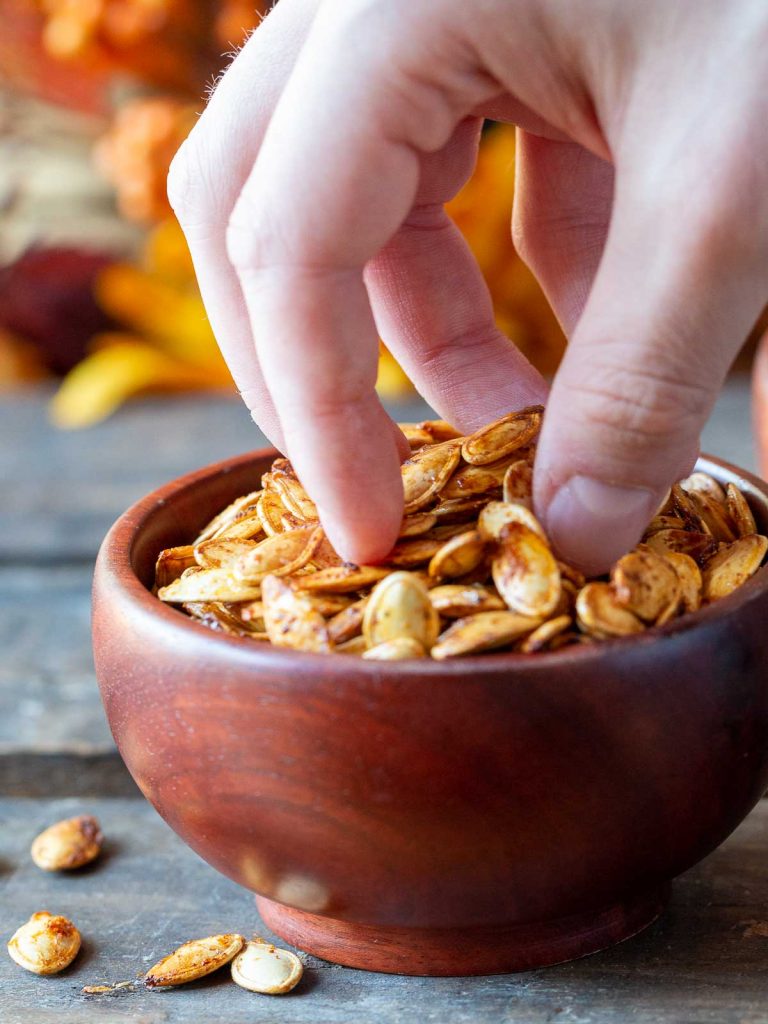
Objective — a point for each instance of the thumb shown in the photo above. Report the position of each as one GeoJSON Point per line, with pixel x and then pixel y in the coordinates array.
{"type": "Point", "coordinates": [681, 281]}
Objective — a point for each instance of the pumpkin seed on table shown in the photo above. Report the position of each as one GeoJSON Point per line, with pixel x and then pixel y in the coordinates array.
{"type": "Point", "coordinates": [68, 844]}
{"type": "Point", "coordinates": [264, 968]}
{"type": "Point", "coordinates": [46, 944]}
{"type": "Point", "coordinates": [193, 960]}
{"type": "Point", "coordinates": [472, 568]}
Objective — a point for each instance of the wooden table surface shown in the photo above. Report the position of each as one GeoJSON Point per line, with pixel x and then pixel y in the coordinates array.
{"type": "Point", "coordinates": [704, 962]}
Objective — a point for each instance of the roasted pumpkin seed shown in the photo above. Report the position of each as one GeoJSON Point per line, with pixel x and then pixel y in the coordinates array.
{"type": "Point", "coordinates": [193, 960]}
{"type": "Point", "coordinates": [399, 606]}
{"type": "Point", "coordinates": [291, 619]}
{"type": "Point", "coordinates": [46, 944]}
{"type": "Point", "coordinates": [600, 614]}
{"type": "Point", "coordinates": [733, 565]}
{"type": "Point", "coordinates": [469, 546]}
{"type": "Point", "coordinates": [482, 632]}
{"type": "Point", "coordinates": [525, 572]}
{"type": "Point", "coordinates": [502, 437]}
{"type": "Point", "coordinates": [262, 967]}
{"type": "Point", "coordinates": [68, 844]}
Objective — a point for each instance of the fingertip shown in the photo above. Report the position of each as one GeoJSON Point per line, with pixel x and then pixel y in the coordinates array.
{"type": "Point", "coordinates": [592, 523]}
{"type": "Point", "coordinates": [367, 537]}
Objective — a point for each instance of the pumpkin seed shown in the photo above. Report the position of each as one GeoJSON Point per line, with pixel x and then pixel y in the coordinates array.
{"type": "Point", "coordinates": [543, 635]}
{"type": "Point", "coordinates": [482, 632]}
{"type": "Point", "coordinates": [227, 516]}
{"type": "Point", "coordinates": [740, 512]}
{"type": "Point", "coordinates": [497, 514]}
{"type": "Point", "coordinates": [426, 472]}
{"type": "Point", "coordinates": [645, 583]}
{"type": "Point", "coordinates": [68, 844]}
{"type": "Point", "coordinates": [503, 436]}
{"type": "Point", "coordinates": [733, 565]}
{"type": "Point", "coordinates": [171, 563]}
{"type": "Point", "coordinates": [600, 614]}
{"type": "Point", "coordinates": [458, 556]}
{"type": "Point", "coordinates": [291, 619]}
{"type": "Point", "coordinates": [703, 483]}
{"type": "Point", "coordinates": [397, 649]}
{"type": "Point", "coordinates": [208, 585]}
{"type": "Point", "coordinates": [399, 606]}
{"type": "Point", "coordinates": [518, 483]}
{"type": "Point", "coordinates": [455, 600]}
{"type": "Point", "coordinates": [262, 967]}
{"type": "Point", "coordinates": [193, 960]}
{"type": "Point", "coordinates": [46, 944]}
{"type": "Point", "coordinates": [525, 572]}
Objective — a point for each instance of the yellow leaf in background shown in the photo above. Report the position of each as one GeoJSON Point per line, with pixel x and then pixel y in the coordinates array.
{"type": "Point", "coordinates": [122, 366]}
{"type": "Point", "coordinates": [391, 381]}
{"type": "Point", "coordinates": [174, 320]}
{"type": "Point", "coordinates": [166, 254]}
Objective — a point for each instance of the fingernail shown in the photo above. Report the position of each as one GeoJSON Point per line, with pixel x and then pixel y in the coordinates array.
{"type": "Point", "coordinates": [591, 523]}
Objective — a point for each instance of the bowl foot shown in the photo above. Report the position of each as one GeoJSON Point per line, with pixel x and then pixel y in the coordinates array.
{"type": "Point", "coordinates": [462, 951]}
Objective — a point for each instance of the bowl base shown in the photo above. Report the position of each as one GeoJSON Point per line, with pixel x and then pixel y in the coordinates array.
{"type": "Point", "coordinates": [462, 951]}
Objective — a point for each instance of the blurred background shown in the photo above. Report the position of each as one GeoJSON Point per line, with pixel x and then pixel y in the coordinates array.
{"type": "Point", "coordinates": [96, 288]}
{"type": "Point", "coordinates": [97, 292]}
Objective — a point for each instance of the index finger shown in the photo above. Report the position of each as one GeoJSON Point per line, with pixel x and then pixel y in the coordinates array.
{"type": "Point", "coordinates": [336, 175]}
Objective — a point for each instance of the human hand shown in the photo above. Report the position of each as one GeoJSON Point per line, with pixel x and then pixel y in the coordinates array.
{"type": "Point", "coordinates": [311, 192]}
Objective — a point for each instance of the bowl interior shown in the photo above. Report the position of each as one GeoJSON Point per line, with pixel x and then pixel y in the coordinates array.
{"type": "Point", "coordinates": [176, 513]}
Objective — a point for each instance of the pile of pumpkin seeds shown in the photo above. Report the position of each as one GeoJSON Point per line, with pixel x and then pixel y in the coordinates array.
{"type": "Point", "coordinates": [48, 943]}
{"type": "Point", "coordinates": [472, 569]}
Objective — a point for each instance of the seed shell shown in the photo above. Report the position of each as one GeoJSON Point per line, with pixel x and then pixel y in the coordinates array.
{"type": "Point", "coordinates": [262, 967]}
{"type": "Point", "coordinates": [399, 607]}
{"type": "Point", "coordinates": [733, 565]}
{"type": "Point", "coordinates": [504, 436]}
{"type": "Point", "coordinates": [482, 632]}
{"type": "Point", "coordinates": [525, 572]}
{"type": "Point", "coordinates": [46, 944]}
{"type": "Point", "coordinates": [68, 844]}
{"type": "Point", "coordinates": [193, 960]}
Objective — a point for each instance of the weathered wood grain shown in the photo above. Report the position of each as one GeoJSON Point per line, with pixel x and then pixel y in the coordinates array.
{"type": "Point", "coordinates": [48, 697]}
{"type": "Point", "coordinates": [702, 963]}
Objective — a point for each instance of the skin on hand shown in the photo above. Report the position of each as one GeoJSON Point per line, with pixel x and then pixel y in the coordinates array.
{"type": "Point", "coordinates": [312, 189]}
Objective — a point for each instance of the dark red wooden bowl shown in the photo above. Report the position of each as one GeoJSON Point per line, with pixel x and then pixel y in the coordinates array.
{"type": "Point", "coordinates": [488, 814]}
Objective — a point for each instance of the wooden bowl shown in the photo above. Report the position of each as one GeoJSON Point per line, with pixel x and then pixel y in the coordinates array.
{"type": "Point", "coordinates": [492, 813]}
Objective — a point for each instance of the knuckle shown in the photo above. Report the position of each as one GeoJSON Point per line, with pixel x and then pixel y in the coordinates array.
{"type": "Point", "coordinates": [639, 409]}
{"type": "Point", "coordinates": [191, 191]}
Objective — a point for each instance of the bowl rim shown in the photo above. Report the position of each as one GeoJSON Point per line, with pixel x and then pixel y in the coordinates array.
{"type": "Point", "coordinates": [115, 560]}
